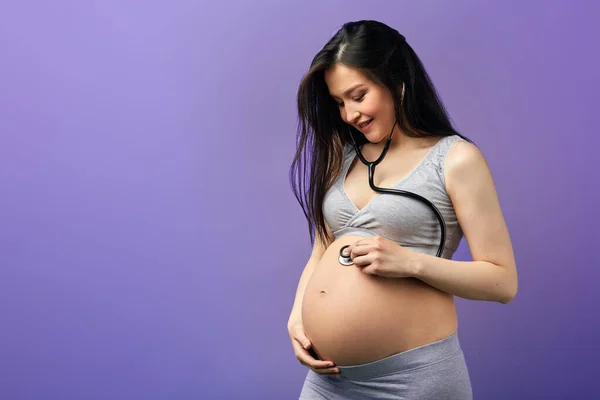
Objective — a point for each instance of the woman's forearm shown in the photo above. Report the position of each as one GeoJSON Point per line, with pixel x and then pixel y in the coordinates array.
{"type": "Point", "coordinates": [473, 280]}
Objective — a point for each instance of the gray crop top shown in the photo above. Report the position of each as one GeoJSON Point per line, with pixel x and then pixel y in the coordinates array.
{"type": "Point", "coordinates": [404, 220]}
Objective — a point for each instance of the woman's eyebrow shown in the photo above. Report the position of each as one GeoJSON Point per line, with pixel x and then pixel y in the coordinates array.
{"type": "Point", "coordinates": [347, 92]}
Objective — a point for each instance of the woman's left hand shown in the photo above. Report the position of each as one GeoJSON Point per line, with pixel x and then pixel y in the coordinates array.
{"type": "Point", "coordinates": [382, 257]}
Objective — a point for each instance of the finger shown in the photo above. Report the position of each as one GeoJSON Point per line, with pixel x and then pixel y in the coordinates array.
{"type": "Point", "coordinates": [299, 336]}
{"type": "Point", "coordinates": [328, 371]}
{"type": "Point", "coordinates": [348, 249]}
{"type": "Point", "coordinates": [369, 270]}
{"type": "Point", "coordinates": [360, 250]}
{"type": "Point", "coordinates": [363, 261]}
{"type": "Point", "coordinates": [316, 365]}
{"type": "Point", "coordinates": [306, 359]}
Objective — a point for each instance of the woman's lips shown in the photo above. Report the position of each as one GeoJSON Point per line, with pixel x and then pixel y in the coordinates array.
{"type": "Point", "coordinates": [366, 127]}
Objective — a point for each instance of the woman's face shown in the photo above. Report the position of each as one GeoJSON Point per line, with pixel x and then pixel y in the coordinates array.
{"type": "Point", "coordinates": [363, 104]}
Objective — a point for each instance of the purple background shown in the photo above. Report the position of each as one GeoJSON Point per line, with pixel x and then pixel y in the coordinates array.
{"type": "Point", "coordinates": [150, 245]}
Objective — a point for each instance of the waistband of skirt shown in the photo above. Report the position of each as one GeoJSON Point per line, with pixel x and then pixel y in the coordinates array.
{"type": "Point", "coordinates": [405, 361]}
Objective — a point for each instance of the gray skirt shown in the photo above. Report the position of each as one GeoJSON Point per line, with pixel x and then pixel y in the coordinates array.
{"type": "Point", "coordinates": [435, 371]}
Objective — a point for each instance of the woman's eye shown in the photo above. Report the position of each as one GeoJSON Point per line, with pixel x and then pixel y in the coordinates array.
{"type": "Point", "coordinates": [359, 98]}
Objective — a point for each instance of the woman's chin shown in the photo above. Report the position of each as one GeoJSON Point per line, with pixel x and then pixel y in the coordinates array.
{"type": "Point", "coordinates": [375, 138]}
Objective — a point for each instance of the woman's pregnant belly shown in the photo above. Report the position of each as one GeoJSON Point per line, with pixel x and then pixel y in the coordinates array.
{"type": "Point", "coordinates": [353, 318]}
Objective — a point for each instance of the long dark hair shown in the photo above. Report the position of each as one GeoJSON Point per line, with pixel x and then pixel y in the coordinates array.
{"type": "Point", "coordinates": [383, 55]}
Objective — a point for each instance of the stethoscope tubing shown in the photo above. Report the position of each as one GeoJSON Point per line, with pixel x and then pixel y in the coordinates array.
{"type": "Point", "coordinates": [346, 260]}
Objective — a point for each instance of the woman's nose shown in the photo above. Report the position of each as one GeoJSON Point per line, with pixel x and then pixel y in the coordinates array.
{"type": "Point", "coordinates": [352, 116]}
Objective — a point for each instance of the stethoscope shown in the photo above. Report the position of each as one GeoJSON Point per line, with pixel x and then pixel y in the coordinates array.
{"type": "Point", "coordinates": [346, 260]}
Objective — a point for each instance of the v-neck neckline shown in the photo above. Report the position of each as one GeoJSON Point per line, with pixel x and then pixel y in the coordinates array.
{"type": "Point", "coordinates": [377, 194]}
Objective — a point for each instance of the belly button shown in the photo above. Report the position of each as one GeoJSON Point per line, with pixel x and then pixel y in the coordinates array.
{"type": "Point", "coordinates": [323, 292]}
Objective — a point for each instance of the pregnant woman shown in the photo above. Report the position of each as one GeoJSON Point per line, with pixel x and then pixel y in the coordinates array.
{"type": "Point", "coordinates": [374, 314]}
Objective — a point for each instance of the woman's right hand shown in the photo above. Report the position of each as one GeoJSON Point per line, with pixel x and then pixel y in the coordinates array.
{"type": "Point", "coordinates": [301, 346]}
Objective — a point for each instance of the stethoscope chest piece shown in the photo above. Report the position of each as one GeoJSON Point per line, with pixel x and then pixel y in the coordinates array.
{"type": "Point", "coordinates": [345, 260]}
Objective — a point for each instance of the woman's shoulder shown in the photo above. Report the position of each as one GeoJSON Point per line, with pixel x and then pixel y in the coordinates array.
{"type": "Point", "coordinates": [451, 146]}
{"type": "Point", "coordinates": [463, 160]}
{"type": "Point", "coordinates": [461, 151]}
{"type": "Point", "coordinates": [449, 140]}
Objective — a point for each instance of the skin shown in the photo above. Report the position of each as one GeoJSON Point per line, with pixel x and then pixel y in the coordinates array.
{"type": "Point", "coordinates": [491, 276]}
